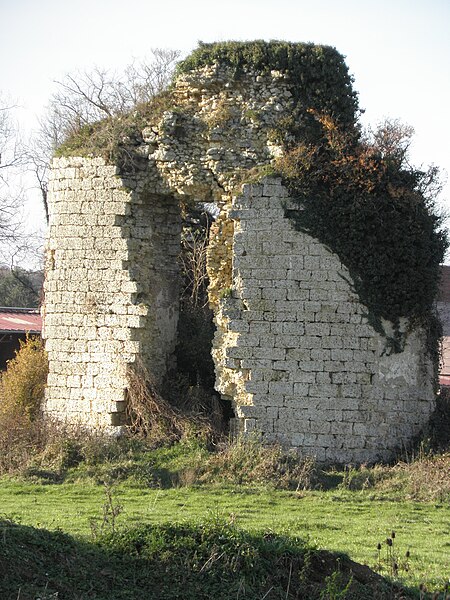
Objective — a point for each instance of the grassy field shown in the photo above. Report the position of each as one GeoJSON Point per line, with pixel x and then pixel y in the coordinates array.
{"type": "Point", "coordinates": [344, 521]}
{"type": "Point", "coordinates": [336, 517]}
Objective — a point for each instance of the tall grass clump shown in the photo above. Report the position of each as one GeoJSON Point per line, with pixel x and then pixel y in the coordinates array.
{"type": "Point", "coordinates": [247, 461]}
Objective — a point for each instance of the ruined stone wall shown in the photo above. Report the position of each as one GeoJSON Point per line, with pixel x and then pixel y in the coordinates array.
{"type": "Point", "coordinates": [111, 288]}
{"type": "Point", "coordinates": [294, 350]}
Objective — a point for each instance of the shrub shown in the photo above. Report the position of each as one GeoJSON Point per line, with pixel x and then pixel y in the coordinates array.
{"type": "Point", "coordinates": [21, 395]}
{"type": "Point", "coordinates": [23, 383]}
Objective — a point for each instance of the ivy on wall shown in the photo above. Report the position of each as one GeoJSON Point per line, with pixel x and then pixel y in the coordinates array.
{"type": "Point", "coordinates": [371, 209]}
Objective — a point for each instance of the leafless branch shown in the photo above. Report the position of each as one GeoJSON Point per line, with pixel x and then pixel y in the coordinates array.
{"type": "Point", "coordinates": [193, 262]}
{"type": "Point", "coordinates": [391, 138]}
{"type": "Point", "coordinates": [87, 97]}
{"type": "Point", "coordinates": [12, 153]}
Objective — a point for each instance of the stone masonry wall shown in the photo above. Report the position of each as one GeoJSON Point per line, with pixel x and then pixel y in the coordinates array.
{"type": "Point", "coordinates": [111, 288]}
{"type": "Point", "coordinates": [294, 350]}
{"type": "Point", "coordinates": [111, 291]}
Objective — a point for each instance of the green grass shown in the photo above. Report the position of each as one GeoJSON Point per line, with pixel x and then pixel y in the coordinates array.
{"type": "Point", "coordinates": [211, 559]}
{"type": "Point", "coordinates": [339, 520]}
{"type": "Point", "coordinates": [86, 489]}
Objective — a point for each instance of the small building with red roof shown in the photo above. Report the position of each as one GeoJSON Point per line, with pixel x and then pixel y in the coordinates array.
{"type": "Point", "coordinates": [15, 325]}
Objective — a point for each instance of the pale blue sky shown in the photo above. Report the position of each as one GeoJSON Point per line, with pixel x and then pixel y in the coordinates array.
{"type": "Point", "coordinates": [398, 51]}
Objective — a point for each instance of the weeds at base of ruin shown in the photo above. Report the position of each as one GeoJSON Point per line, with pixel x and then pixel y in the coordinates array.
{"type": "Point", "coordinates": [194, 452]}
{"type": "Point", "coordinates": [247, 461]}
{"type": "Point", "coordinates": [152, 417]}
{"type": "Point", "coordinates": [423, 477]}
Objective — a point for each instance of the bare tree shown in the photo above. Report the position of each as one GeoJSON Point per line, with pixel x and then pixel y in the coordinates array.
{"type": "Point", "coordinates": [12, 159]}
{"type": "Point", "coordinates": [392, 139]}
{"type": "Point", "coordinates": [40, 150]}
{"type": "Point", "coordinates": [12, 153]}
{"type": "Point", "coordinates": [194, 244]}
{"type": "Point", "coordinates": [16, 246]}
{"type": "Point", "coordinates": [90, 96]}
{"type": "Point", "coordinates": [86, 97]}
{"type": "Point", "coordinates": [146, 79]}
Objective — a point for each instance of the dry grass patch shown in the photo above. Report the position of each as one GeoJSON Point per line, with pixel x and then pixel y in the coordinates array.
{"type": "Point", "coordinates": [425, 479]}
{"type": "Point", "coordinates": [150, 416]}
{"type": "Point", "coordinates": [247, 461]}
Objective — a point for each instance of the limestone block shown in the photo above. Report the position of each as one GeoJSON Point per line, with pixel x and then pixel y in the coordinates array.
{"type": "Point", "coordinates": [248, 339]}
{"type": "Point", "coordinates": [256, 387]}
{"type": "Point", "coordinates": [250, 412]}
{"type": "Point", "coordinates": [281, 387]}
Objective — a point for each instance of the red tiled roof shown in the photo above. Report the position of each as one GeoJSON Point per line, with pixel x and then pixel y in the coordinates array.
{"type": "Point", "coordinates": [20, 321]}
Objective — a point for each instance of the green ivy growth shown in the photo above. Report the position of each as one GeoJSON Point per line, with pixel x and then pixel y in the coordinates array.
{"type": "Point", "coordinates": [318, 77]}
{"type": "Point", "coordinates": [371, 209]}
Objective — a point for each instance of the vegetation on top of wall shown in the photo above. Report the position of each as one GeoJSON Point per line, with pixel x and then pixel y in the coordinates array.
{"type": "Point", "coordinates": [378, 214]}
{"type": "Point", "coordinates": [114, 138]}
{"type": "Point", "coordinates": [317, 76]}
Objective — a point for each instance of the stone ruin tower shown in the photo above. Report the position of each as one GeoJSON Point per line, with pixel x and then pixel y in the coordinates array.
{"type": "Point", "coordinates": [293, 349]}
